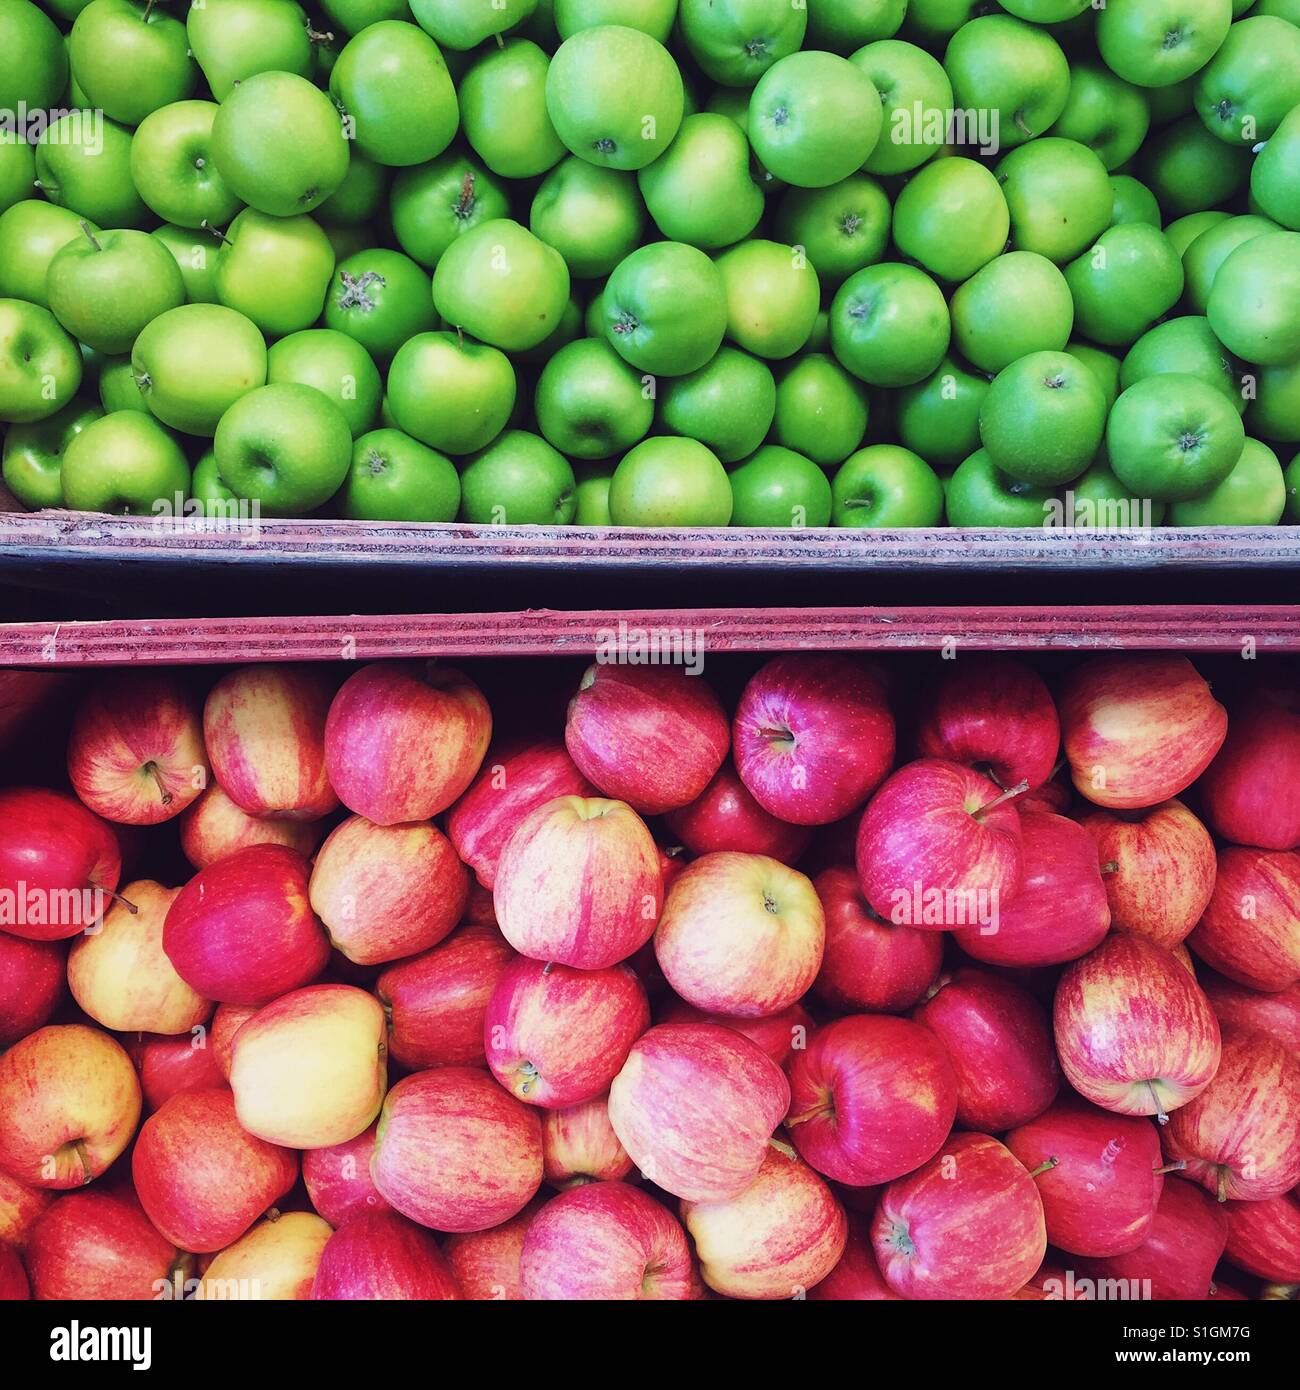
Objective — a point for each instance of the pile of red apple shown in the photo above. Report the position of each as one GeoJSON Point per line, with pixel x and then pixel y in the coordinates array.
{"type": "Point", "coordinates": [877, 987]}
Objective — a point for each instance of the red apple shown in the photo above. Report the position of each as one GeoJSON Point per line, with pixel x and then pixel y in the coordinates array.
{"type": "Point", "coordinates": [264, 727]}
{"type": "Point", "coordinates": [939, 847]}
{"type": "Point", "coordinates": [1134, 1031]}
{"type": "Point", "coordinates": [579, 1145]}
{"type": "Point", "coordinates": [1100, 1192]}
{"type": "Point", "coordinates": [1000, 1042]}
{"type": "Point", "coordinates": [556, 1036]}
{"type": "Point", "coordinates": [579, 883]}
{"type": "Point", "coordinates": [58, 862]}
{"type": "Point", "coordinates": [382, 1255]}
{"type": "Point", "coordinates": [20, 1205]}
{"type": "Point", "coordinates": [242, 930]}
{"type": "Point", "coordinates": [784, 1233]}
{"type": "Point", "coordinates": [1158, 867]}
{"type": "Point", "coordinates": [436, 1002]}
{"type": "Point", "coordinates": [1276, 1014]}
{"type": "Point", "coordinates": [871, 1098]}
{"type": "Point", "coordinates": [1251, 928]}
{"type": "Point", "coordinates": [226, 1022]}
{"type": "Point", "coordinates": [992, 713]}
{"type": "Point", "coordinates": [404, 739]}
{"type": "Point", "coordinates": [740, 934]}
{"type": "Point", "coordinates": [1241, 1135]}
{"type": "Point", "coordinates": [778, 1034]}
{"type": "Point", "coordinates": [1138, 727]}
{"type": "Point", "coordinates": [486, 1263]}
{"type": "Point", "coordinates": [857, 1277]}
{"type": "Point", "coordinates": [455, 1151]}
{"type": "Point", "coordinates": [201, 1178]}
{"type": "Point", "coordinates": [514, 781]}
{"type": "Point", "coordinates": [1251, 791]}
{"type": "Point", "coordinates": [135, 753]}
{"type": "Point", "coordinates": [695, 1106]}
{"type": "Point", "coordinates": [14, 1287]}
{"type": "Point", "coordinates": [652, 736]}
{"type": "Point", "coordinates": [813, 736]}
{"type": "Point", "coordinates": [276, 1260]}
{"type": "Point", "coordinates": [605, 1241]}
{"type": "Point", "coordinates": [98, 1245]}
{"type": "Point", "coordinates": [387, 891]}
{"type": "Point", "coordinates": [69, 1103]}
{"type": "Point", "coordinates": [170, 1066]}
{"type": "Point", "coordinates": [338, 1179]}
{"type": "Point", "coordinates": [725, 816]}
{"type": "Point", "coordinates": [1264, 1237]}
{"type": "Point", "coordinates": [213, 827]}
{"type": "Point", "coordinates": [869, 964]}
{"type": "Point", "coordinates": [31, 985]}
{"type": "Point", "coordinates": [968, 1225]}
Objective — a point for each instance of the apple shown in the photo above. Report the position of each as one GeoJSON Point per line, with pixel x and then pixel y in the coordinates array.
{"type": "Point", "coordinates": [869, 964]}
{"type": "Point", "coordinates": [998, 1039]}
{"type": "Point", "coordinates": [309, 1070]}
{"type": "Point", "coordinates": [1249, 790]}
{"type": "Point", "coordinates": [436, 1002]}
{"type": "Point", "coordinates": [379, 1254]}
{"type": "Point", "coordinates": [555, 1036]}
{"type": "Point", "coordinates": [777, 1034]}
{"type": "Point", "coordinates": [939, 846]}
{"type": "Point", "coordinates": [694, 1106]}
{"type": "Point", "coordinates": [579, 883]}
{"type": "Point", "coordinates": [14, 1287]}
{"type": "Point", "coordinates": [1251, 928]}
{"type": "Point", "coordinates": [201, 1178]}
{"type": "Point", "coordinates": [98, 1245]}
{"type": "Point", "coordinates": [338, 1179]}
{"type": "Point", "coordinates": [226, 1022]}
{"type": "Point", "coordinates": [434, 1131]}
{"type": "Point", "coordinates": [264, 728]}
{"type": "Point", "coordinates": [1158, 866]}
{"type": "Point", "coordinates": [605, 1241]}
{"type": "Point", "coordinates": [1240, 1136]}
{"type": "Point", "coordinates": [579, 1146]}
{"type": "Point", "coordinates": [20, 1205]}
{"type": "Point", "coordinates": [213, 826]}
{"type": "Point", "coordinates": [277, 1260]}
{"type": "Point", "coordinates": [387, 891]}
{"type": "Point", "coordinates": [653, 736]}
{"type": "Point", "coordinates": [1134, 1031]}
{"type": "Point", "coordinates": [1276, 1014]}
{"type": "Point", "coordinates": [1139, 727]}
{"type": "Point", "coordinates": [668, 481]}
{"type": "Point", "coordinates": [726, 816]}
{"type": "Point", "coordinates": [242, 930]}
{"type": "Point", "coordinates": [31, 985]}
{"type": "Point", "coordinates": [486, 1263]}
{"type": "Point", "coordinates": [1102, 1177]}
{"type": "Point", "coordinates": [1264, 1237]}
{"type": "Point", "coordinates": [404, 739]}
{"type": "Point", "coordinates": [169, 1066]}
{"type": "Point", "coordinates": [135, 752]}
{"type": "Point", "coordinates": [857, 1276]}
{"type": "Point", "coordinates": [69, 1103]}
{"type": "Point", "coordinates": [777, 1238]}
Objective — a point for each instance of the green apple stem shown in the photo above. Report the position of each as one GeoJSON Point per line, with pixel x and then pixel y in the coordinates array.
{"type": "Point", "coordinates": [215, 231]}
{"type": "Point", "coordinates": [1176, 1167]}
{"type": "Point", "coordinates": [1019, 789]}
{"type": "Point", "coordinates": [1045, 1166]}
{"type": "Point", "coordinates": [1160, 1115]}
{"type": "Point", "coordinates": [90, 235]}
{"type": "Point", "coordinates": [148, 10]}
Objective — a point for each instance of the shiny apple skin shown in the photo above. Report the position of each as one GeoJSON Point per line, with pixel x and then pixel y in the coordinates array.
{"type": "Point", "coordinates": [1250, 931]}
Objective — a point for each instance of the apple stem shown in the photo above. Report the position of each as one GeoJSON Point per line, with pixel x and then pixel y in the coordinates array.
{"type": "Point", "coordinates": [783, 1148]}
{"type": "Point", "coordinates": [1176, 1167]}
{"type": "Point", "coordinates": [1020, 122]}
{"type": "Point", "coordinates": [90, 236]}
{"type": "Point", "coordinates": [460, 336]}
{"type": "Point", "coordinates": [501, 43]}
{"type": "Point", "coordinates": [148, 10]}
{"type": "Point", "coordinates": [316, 36]}
{"type": "Point", "coordinates": [125, 902]}
{"type": "Point", "coordinates": [1021, 787]}
{"type": "Point", "coordinates": [215, 231]}
{"type": "Point", "coordinates": [79, 1148]}
{"type": "Point", "coordinates": [1111, 866]}
{"type": "Point", "coordinates": [1045, 1166]}
{"type": "Point", "coordinates": [1223, 1183]}
{"type": "Point", "coordinates": [548, 967]}
{"type": "Point", "coordinates": [1161, 1117]}
{"type": "Point", "coordinates": [152, 770]}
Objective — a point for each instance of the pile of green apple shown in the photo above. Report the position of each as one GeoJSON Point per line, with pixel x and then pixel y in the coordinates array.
{"type": "Point", "coordinates": [653, 262]}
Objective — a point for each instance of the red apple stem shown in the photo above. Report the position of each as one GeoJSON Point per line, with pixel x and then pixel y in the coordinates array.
{"type": "Point", "coordinates": [1223, 1183]}
{"type": "Point", "coordinates": [1161, 1117]}
{"type": "Point", "coordinates": [1020, 787]}
{"type": "Point", "coordinates": [1175, 1167]}
{"type": "Point", "coordinates": [125, 902]}
{"type": "Point", "coordinates": [548, 967]}
{"type": "Point", "coordinates": [152, 770]}
{"type": "Point", "coordinates": [1111, 866]}
{"type": "Point", "coordinates": [783, 1148]}
{"type": "Point", "coordinates": [1045, 1166]}
{"type": "Point", "coordinates": [88, 1173]}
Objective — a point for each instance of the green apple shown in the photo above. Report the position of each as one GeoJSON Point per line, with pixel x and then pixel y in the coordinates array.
{"type": "Point", "coordinates": [40, 365]}
{"type": "Point", "coordinates": [1043, 418]}
{"type": "Point", "coordinates": [195, 254]}
{"type": "Point", "coordinates": [450, 393]}
{"type": "Point", "coordinates": [284, 446]}
{"type": "Point", "coordinates": [173, 169]}
{"type": "Point", "coordinates": [911, 83]}
{"type": "Point", "coordinates": [1275, 175]}
{"type": "Point", "coordinates": [398, 99]}
{"type": "Point", "coordinates": [1186, 229]}
{"type": "Point", "coordinates": [934, 22]}
{"type": "Point", "coordinates": [939, 418]}
{"type": "Point", "coordinates": [1103, 503]}
{"type": "Point", "coordinates": [360, 197]}
{"type": "Point", "coordinates": [1105, 113]}
{"type": "Point", "coordinates": [590, 404]}
{"type": "Point", "coordinates": [591, 496]}
{"type": "Point", "coordinates": [772, 297]}
{"type": "Point", "coordinates": [814, 118]}
{"type": "Point", "coordinates": [1205, 255]}
{"type": "Point", "coordinates": [337, 366]}
{"type": "Point", "coordinates": [952, 218]}
{"type": "Point", "coordinates": [1252, 81]}
{"type": "Point", "coordinates": [653, 17]}
{"type": "Point", "coordinates": [890, 325]}
{"type": "Point", "coordinates": [885, 486]}
{"type": "Point", "coordinates": [1185, 346]}
{"type": "Point", "coordinates": [83, 162]}
{"type": "Point", "coordinates": [1253, 494]}
{"type": "Point", "coordinates": [1168, 104]}
{"type": "Point", "coordinates": [33, 454]}
{"type": "Point", "coordinates": [615, 96]}
{"type": "Point", "coordinates": [1173, 437]}
{"type": "Point", "coordinates": [1059, 196]}
{"type": "Point", "coordinates": [279, 144]}
{"type": "Point", "coordinates": [1254, 305]}
{"type": "Point", "coordinates": [1274, 413]}
{"type": "Point", "coordinates": [700, 190]}
{"type": "Point", "coordinates": [845, 25]}
{"type": "Point", "coordinates": [777, 487]}
{"type": "Point", "coordinates": [352, 16]}
{"type": "Point", "coordinates": [670, 481]}
{"type": "Point", "coordinates": [1045, 11]}
{"type": "Point", "coordinates": [979, 494]}
{"type": "Point", "coordinates": [233, 40]}
{"type": "Point", "coordinates": [1019, 303]}
{"type": "Point", "coordinates": [275, 270]}
{"type": "Point", "coordinates": [565, 331]}
{"type": "Point", "coordinates": [821, 411]}
{"type": "Point", "coordinates": [728, 404]}
{"type": "Point", "coordinates": [33, 60]}
{"type": "Point", "coordinates": [461, 25]}
{"type": "Point", "coordinates": [1016, 71]}
{"type": "Point", "coordinates": [396, 478]}
{"type": "Point", "coordinates": [1292, 477]}
{"type": "Point", "coordinates": [381, 298]}
{"type": "Point", "coordinates": [17, 171]}
{"type": "Point", "coordinates": [1284, 9]}
{"type": "Point", "coordinates": [1191, 171]}
{"type": "Point", "coordinates": [129, 58]}
{"type": "Point", "coordinates": [518, 480]}
{"type": "Point", "coordinates": [664, 309]}
{"type": "Point", "coordinates": [194, 362]}
{"type": "Point", "coordinates": [435, 203]}
{"type": "Point", "coordinates": [736, 41]}
{"type": "Point", "coordinates": [1156, 43]}
{"type": "Point", "coordinates": [502, 284]}
{"type": "Point", "coordinates": [118, 387]}
{"type": "Point", "coordinates": [1130, 278]}
{"type": "Point", "coordinates": [31, 234]}
{"type": "Point", "coordinates": [127, 464]}
{"type": "Point", "coordinates": [1134, 202]}
{"type": "Point", "coordinates": [592, 216]}
{"type": "Point", "coordinates": [105, 286]}
{"type": "Point", "coordinates": [841, 228]}
{"type": "Point", "coordinates": [213, 498]}
{"type": "Point", "coordinates": [1105, 366]}
{"type": "Point", "coordinates": [503, 111]}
